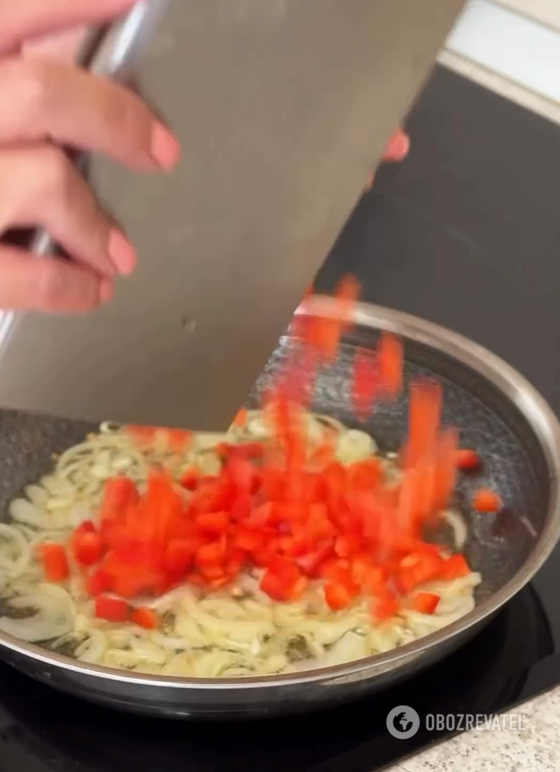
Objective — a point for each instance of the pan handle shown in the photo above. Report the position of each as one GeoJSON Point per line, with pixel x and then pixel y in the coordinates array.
{"type": "Point", "coordinates": [111, 53]}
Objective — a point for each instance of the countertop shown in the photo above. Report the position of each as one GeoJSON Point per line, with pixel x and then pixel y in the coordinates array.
{"type": "Point", "coordinates": [535, 748]}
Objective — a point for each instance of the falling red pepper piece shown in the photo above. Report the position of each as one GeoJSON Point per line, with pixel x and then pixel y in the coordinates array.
{"type": "Point", "coordinates": [486, 500]}
{"type": "Point", "coordinates": [390, 364]}
{"type": "Point", "coordinates": [283, 506]}
{"type": "Point", "coordinates": [467, 460]}
{"type": "Point", "coordinates": [86, 545]}
{"type": "Point", "coordinates": [365, 382]}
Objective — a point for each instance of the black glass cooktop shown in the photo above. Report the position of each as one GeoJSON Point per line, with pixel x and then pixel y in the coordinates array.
{"type": "Point", "coordinates": [513, 658]}
{"type": "Point", "coordinates": [465, 233]}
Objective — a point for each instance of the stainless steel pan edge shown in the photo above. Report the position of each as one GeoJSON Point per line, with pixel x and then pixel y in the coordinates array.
{"type": "Point", "coordinates": [218, 697]}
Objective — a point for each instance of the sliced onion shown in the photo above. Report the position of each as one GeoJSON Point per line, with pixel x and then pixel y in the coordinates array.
{"type": "Point", "coordinates": [23, 511]}
{"type": "Point", "coordinates": [54, 617]}
{"type": "Point", "coordinates": [92, 649]}
{"type": "Point", "coordinates": [15, 566]}
{"type": "Point", "coordinates": [353, 446]}
{"type": "Point", "coordinates": [457, 523]}
{"type": "Point", "coordinates": [37, 495]}
{"type": "Point", "coordinates": [79, 514]}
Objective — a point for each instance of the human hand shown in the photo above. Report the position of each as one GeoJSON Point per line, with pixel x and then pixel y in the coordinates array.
{"type": "Point", "coordinates": [42, 102]}
{"type": "Point", "coordinates": [396, 150]}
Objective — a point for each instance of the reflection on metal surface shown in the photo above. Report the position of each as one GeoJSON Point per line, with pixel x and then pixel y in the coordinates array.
{"type": "Point", "coordinates": [282, 108]}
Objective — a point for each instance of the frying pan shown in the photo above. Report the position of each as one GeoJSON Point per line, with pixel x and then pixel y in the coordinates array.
{"type": "Point", "coordinates": [497, 412]}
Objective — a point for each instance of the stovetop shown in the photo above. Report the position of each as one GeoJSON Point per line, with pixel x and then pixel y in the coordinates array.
{"type": "Point", "coordinates": [513, 658]}
{"type": "Point", "coordinates": [465, 233]}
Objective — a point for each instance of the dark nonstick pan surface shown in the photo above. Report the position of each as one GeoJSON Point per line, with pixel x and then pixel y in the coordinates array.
{"type": "Point", "coordinates": [498, 414]}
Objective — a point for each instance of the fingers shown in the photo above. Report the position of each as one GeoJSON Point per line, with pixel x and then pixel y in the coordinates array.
{"type": "Point", "coordinates": [73, 108]}
{"type": "Point", "coordinates": [61, 46]}
{"type": "Point", "coordinates": [45, 189]}
{"type": "Point", "coordinates": [30, 283]}
{"type": "Point", "coordinates": [397, 147]}
{"type": "Point", "coordinates": [397, 150]}
{"type": "Point", "coordinates": [29, 18]}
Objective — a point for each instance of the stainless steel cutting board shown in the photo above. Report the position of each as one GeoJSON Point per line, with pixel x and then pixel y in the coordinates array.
{"type": "Point", "coordinates": [283, 107]}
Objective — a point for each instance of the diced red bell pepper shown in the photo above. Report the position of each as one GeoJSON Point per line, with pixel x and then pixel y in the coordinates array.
{"type": "Point", "coordinates": [55, 562]}
{"type": "Point", "coordinates": [273, 482]}
{"type": "Point", "coordinates": [374, 580]}
{"type": "Point", "coordinates": [190, 478]}
{"type": "Point", "coordinates": [454, 567]}
{"type": "Point", "coordinates": [318, 528]}
{"type": "Point", "coordinates": [87, 547]}
{"type": "Point", "coordinates": [312, 562]}
{"type": "Point", "coordinates": [423, 421]}
{"type": "Point", "coordinates": [418, 568]}
{"type": "Point", "coordinates": [111, 609]}
{"type": "Point", "coordinates": [143, 435]}
{"type": "Point", "coordinates": [425, 602]}
{"type": "Point", "coordinates": [241, 507]}
{"type": "Point", "coordinates": [384, 606]}
{"type": "Point", "coordinates": [365, 382]}
{"type": "Point", "coordinates": [144, 617]}
{"type": "Point", "coordinates": [446, 470]}
{"type": "Point", "coordinates": [178, 440]}
{"type": "Point", "coordinates": [243, 450]}
{"type": "Point", "coordinates": [340, 572]}
{"type": "Point", "coordinates": [282, 580]}
{"type": "Point", "coordinates": [234, 562]}
{"type": "Point", "coordinates": [272, 586]}
{"type": "Point", "coordinates": [486, 500]}
{"type": "Point", "coordinates": [286, 570]}
{"type": "Point", "coordinates": [130, 584]}
{"type": "Point", "coordinates": [390, 354]}
{"type": "Point", "coordinates": [240, 417]}
{"type": "Point", "coordinates": [98, 581]}
{"type": "Point", "coordinates": [212, 523]}
{"type": "Point", "coordinates": [213, 494]}
{"type": "Point", "coordinates": [244, 474]}
{"type": "Point", "coordinates": [118, 493]}
{"type": "Point", "coordinates": [467, 460]}
{"type": "Point", "coordinates": [364, 475]}
{"type": "Point", "coordinates": [178, 557]}
{"type": "Point", "coordinates": [323, 335]}
{"type": "Point", "coordinates": [249, 540]}
{"type": "Point", "coordinates": [337, 596]}
{"type": "Point", "coordinates": [211, 555]}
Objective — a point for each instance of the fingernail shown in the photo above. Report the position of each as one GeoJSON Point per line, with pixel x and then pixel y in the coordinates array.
{"type": "Point", "coordinates": [105, 290]}
{"type": "Point", "coordinates": [121, 252]}
{"type": "Point", "coordinates": [398, 147]}
{"type": "Point", "coordinates": [165, 148]}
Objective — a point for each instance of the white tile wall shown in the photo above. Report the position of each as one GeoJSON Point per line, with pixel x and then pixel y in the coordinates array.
{"type": "Point", "coordinates": [513, 47]}
{"type": "Point", "coordinates": [546, 11]}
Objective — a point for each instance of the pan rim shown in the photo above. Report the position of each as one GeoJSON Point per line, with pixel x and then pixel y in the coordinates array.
{"type": "Point", "coordinates": [505, 378]}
